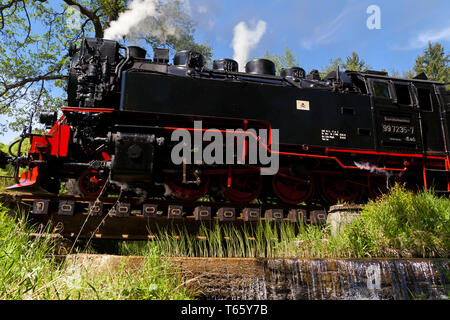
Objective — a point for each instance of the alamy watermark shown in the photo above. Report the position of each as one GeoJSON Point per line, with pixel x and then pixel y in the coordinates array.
{"type": "Point", "coordinates": [374, 20]}
{"type": "Point", "coordinates": [231, 146]}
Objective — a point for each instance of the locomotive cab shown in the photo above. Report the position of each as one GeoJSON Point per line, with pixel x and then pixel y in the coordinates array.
{"type": "Point", "coordinates": [406, 112]}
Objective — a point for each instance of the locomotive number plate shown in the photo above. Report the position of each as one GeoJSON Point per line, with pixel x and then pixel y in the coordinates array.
{"type": "Point", "coordinates": [404, 130]}
{"type": "Point", "coordinates": [302, 105]}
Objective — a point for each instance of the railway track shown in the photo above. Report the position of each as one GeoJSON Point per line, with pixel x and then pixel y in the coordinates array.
{"type": "Point", "coordinates": [140, 219]}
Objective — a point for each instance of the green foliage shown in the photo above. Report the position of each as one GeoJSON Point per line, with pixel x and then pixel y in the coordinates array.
{"type": "Point", "coordinates": [434, 63]}
{"type": "Point", "coordinates": [28, 270]}
{"type": "Point", "coordinates": [174, 14]}
{"type": "Point", "coordinates": [400, 224]}
{"type": "Point", "coordinates": [111, 9]}
{"type": "Point", "coordinates": [403, 224]}
{"type": "Point", "coordinates": [35, 37]}
{"type": "Point", "coordinates": [354, 63]}
{"type": "Point", "coordinates": [332, 66]}
{"type": "Point", "coordinates": [9, 170]}
{"type": "Point", "coordinates": [285, 60]}
{"type": "Point", "coordinates": [155, 279]}
{"type": "Point", "coordinates": [25, 265]}
{"type": "Point", "coordinates": [404, 74]}
{"type": "Point", "coordinates": [3, 147]}
{"type": "Point", "coordinates": [351, 63]}
{"type": "Point", "coordinates": [260, 240]}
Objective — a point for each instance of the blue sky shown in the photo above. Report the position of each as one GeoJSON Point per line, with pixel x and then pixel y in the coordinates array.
{"type": "Point", "coordinates": [319, 30]}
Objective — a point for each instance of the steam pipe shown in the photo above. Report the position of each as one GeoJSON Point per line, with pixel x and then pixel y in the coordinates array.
{"type": "Point", "coordinates": [120, 65]}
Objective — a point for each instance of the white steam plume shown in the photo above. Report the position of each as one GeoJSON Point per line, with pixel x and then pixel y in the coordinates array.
{"type": "Point", "coordinates": [144, 18]}
{"type": "Point", "coordinates": [246, 39]}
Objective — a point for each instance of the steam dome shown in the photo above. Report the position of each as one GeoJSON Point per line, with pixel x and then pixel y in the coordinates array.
{"type": "Point", "coordinates": [260, 66]}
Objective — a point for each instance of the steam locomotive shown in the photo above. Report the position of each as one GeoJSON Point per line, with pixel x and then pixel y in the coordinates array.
{"type": "Point", "coordinates": [344, 137]}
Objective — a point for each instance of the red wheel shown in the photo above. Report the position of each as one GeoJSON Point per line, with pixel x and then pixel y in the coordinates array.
{"type": "Point", "coordinates": [91, 183]}
{"type": "Point", "coordinates": [290, 189]}
{"type": "Point", "coordinates": [244, 187]}
{"type": "Point", "coordinates": [186, 192]}
{"type": "Point", "coordinates": [337, 188]}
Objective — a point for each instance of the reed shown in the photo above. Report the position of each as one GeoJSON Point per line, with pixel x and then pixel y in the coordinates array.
{"type": "Point", "coordinates": [399, 224]}
{"type": "Point", "coordinates": [262, 240]}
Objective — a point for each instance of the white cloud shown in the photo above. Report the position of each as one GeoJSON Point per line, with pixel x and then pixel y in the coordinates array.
{"type": "Point", "coordinates": [325, 33]}
{"type": "Point", "coordinates": [433, 36]}
{"type": "Point", "coordinates": [422, 39]}
{"type": "Point", "coordinates": [203, 13]}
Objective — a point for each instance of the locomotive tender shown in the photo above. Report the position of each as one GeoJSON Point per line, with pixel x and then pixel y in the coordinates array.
{"type": "Point", "coordinates": [341, 138]}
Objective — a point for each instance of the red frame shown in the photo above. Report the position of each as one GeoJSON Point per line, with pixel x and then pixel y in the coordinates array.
{"type": "Point", "coordinates": [55, 143]}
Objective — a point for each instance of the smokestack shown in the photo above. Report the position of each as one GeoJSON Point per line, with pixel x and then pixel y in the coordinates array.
{"type": "Point", "coordinates": [245, 40]}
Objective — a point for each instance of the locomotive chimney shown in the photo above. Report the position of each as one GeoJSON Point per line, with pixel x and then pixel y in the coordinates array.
{"type": "Point", "coordinates": [137, 52]}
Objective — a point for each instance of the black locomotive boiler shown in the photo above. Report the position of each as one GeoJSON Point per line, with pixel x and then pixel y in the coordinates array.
{"type": "Point", "coordinates": [345, 137]}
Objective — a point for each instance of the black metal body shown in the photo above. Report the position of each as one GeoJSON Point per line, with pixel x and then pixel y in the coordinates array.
{"type": "Point", "coordinates": [123, 104]}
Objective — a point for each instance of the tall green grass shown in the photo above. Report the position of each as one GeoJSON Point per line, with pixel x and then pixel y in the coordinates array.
{"type": "Point", "coordinates": [28, 270]}
{"type": "Point", "coordinates": [400, 224]}
{"type": "Point", "coordinates": [220, 241]}
{"type": "Point", "coordinates": [263, 240]}
{"type": "Point", "coordinates": [25, 266]}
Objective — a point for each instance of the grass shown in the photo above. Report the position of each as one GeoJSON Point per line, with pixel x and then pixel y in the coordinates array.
{"type": "Point", "coordinates": [28, 270]}
{"type": "Point", "coordinates": [220, 241]}
{"type": "Point", "coordinates": [401, 224]}
{"type": "Point", "coordinates": [264, 240]}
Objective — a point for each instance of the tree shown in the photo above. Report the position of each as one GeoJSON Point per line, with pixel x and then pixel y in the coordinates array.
{"type": "Point", "coordinates": [405, 74]}
{"type": "Point", "coordinates": [332, 66]}
{"type": "Point", "coordinates": [285, 60]}
{"type": "Point", "coordinates": [351, 63]}
{"type": "Point", "coordinates": [434, 63]}
{"type": "Point", "coordinates": [354, 63]}
{"type": "Point", "coordinates": [35, 36]}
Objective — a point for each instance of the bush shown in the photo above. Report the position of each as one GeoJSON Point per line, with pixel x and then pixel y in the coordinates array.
{"type": "Point", "coordinates": [402, 224]}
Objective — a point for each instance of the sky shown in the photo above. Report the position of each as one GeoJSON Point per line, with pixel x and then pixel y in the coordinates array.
{"type": "Point", "coordinates": [319, 30]}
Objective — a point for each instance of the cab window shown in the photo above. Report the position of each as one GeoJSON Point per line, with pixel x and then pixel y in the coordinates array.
{"type": "Point", "coordinates": [381, 89]}
{"type": "Point", "coordinates": [425, 98]}
{"type": "Point", "coordinates": [403, 95]}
